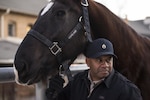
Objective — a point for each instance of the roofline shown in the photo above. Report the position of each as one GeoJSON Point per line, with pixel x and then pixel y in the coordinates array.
{"type": "Point", "coordinates": [12, 40]}
{"type": "Point", "coordinates": [6, 61]}
{"type": "Point", "coordinates": [17, 11]}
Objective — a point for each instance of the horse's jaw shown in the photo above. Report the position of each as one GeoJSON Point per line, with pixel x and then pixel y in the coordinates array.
{"type": "Point", "coordinates": [17, 77]}
{"type": "Point", "coordinates": [29, 82]}
{"type": "Point", "coordinates": [33, 80]}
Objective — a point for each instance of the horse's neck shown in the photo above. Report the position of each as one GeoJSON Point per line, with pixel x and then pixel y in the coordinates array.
{"type": "Point", "coordinates": [107, 25]}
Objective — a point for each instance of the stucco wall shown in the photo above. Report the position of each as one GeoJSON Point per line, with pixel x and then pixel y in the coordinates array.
{"type": "Point", "coordinates": [21, 21]}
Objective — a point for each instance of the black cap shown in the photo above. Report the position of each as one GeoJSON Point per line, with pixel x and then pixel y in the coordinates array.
{"type": "Point", "coordinates": [99, 47]}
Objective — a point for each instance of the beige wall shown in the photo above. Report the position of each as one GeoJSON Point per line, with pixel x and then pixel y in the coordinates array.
{"type": "Point", "coordinates": [21, 23]}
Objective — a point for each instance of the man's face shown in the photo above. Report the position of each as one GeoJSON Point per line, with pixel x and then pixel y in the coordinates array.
{"type": "Point", "coordinates": [100, 67]}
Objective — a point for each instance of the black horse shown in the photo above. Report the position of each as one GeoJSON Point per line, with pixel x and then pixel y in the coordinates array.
{"type": "Point", "coordinates": [60, 25]}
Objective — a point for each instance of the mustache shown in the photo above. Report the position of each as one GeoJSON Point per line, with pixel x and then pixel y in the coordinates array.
{"type": "Point", "coordinates": [102, 69]}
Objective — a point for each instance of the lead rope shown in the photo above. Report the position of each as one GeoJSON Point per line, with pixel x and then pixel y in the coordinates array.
{"type": "Point", "coordinates": [65, 65]}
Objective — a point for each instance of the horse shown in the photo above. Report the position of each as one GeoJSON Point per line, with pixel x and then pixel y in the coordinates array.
{"type": "Point", "coordinates": [61, 28]}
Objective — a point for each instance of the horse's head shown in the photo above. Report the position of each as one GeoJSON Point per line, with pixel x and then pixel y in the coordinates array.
{"type": "Point", "coordinates": [57, 35]}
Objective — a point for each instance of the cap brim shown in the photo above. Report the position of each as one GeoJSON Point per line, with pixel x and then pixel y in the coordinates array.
{"type": "Point", "coordinates": [101, 54]}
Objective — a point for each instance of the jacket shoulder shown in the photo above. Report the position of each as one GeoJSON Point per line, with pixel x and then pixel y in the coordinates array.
{"type": "Point", "coordinates": [123, 80]}
{"type": "Point", "coordinates": [128, 89]}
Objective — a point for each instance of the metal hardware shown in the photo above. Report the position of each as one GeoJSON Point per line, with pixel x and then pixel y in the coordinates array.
{"type": "Point", "coordinates": [84, 4]}
{"type": "Point", "coordinates": [61, 72]}
{"type": "Point", "coordinates": [55, 49]}
{"type": "Point", "coordinates": [80, 19]}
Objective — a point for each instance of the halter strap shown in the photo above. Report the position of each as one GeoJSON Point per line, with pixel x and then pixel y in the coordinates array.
{"type": "Point", "coordinates": [85, 5]}
{"type": "Point", "coordinates": [55, 47]}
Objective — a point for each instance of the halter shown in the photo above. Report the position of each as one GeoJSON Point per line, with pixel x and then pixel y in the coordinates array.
{"type": "Point", "coordinates": [56, 47]}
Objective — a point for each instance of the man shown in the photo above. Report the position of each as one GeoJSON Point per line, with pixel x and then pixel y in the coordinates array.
{"type": "Point", "coordinates": [101, 81]}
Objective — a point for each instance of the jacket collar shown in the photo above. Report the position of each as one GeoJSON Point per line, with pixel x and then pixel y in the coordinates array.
{"type": "Point", "coordinates": [108, 79]}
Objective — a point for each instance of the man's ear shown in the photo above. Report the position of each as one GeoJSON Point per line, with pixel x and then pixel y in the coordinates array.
{"type": "Point", "coordinates": [87, 61]}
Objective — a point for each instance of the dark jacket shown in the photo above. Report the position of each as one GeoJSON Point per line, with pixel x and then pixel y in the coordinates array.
{"type": "Point", "coordinates": [114, 87]}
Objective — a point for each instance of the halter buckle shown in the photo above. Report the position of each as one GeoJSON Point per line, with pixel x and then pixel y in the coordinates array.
{"type": "Point", "coordinates": [84, 3]}
{"type": "Point", "coordinates": [55, 48]}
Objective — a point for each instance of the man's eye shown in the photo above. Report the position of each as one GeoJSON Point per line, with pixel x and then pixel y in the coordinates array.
{"type": "Point", "coordinates": [109, 59]}
{"type": "Point", "coordinates": [98, 60]}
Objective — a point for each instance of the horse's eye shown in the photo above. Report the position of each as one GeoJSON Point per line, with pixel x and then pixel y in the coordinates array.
{"type": "Point", "coordinates": [60, 13]}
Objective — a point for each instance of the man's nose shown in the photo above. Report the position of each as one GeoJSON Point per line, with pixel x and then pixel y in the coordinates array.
{"type": "Point", "coordinates": [105, 63]}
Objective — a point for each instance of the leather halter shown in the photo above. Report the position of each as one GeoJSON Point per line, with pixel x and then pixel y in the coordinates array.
{"type": "Point", "coordinates": [56, 47]}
